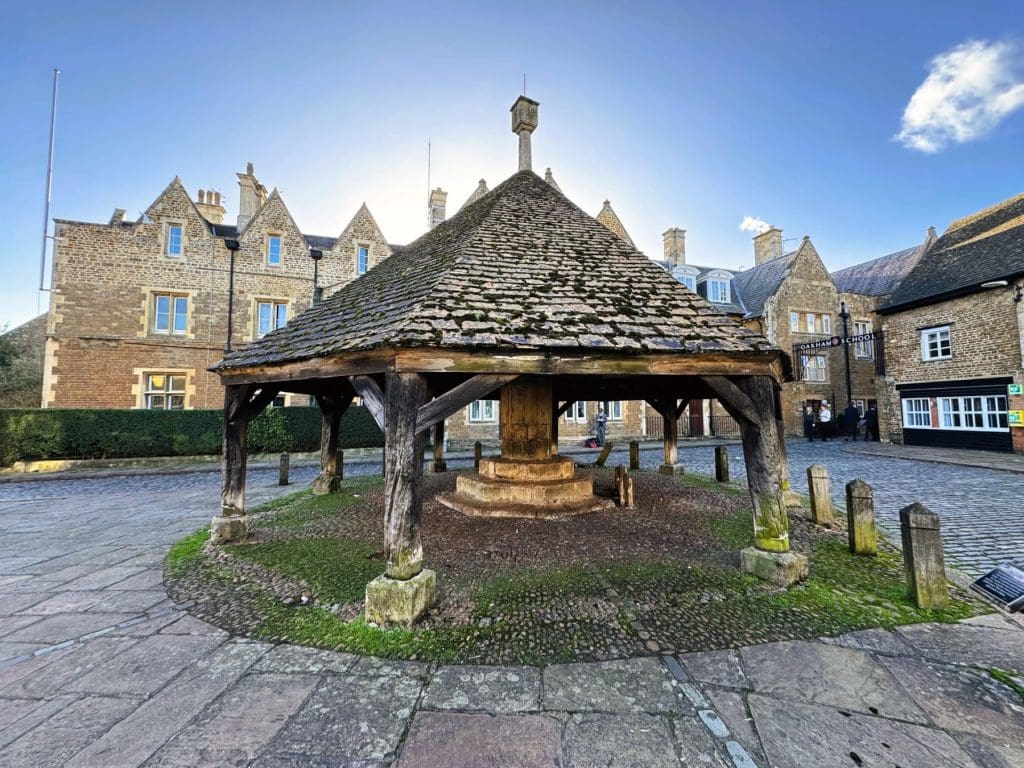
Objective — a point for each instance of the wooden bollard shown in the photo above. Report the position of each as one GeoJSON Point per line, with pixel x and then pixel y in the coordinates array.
{"type": "Point", "coordinates": [821, 500]}
{"type": "Point", "coordinates": [339, 465]}
{"type": "Point", "coordinates": [478, 452]}
{"type": "Point", "coordinates": [282, 469]}
{"type": "Point", "coordinates": [624, 487]}
{"type": "Point", "coordinates": [721, 464]}
{"type": "Point", "coordinates": [923, 561]}
{"type": "Point", "coordinates": [634, 455]}
{"type": "Point", "coordinates": [603, 456]}
{"type": "Point", "coordinates": [860, 518]}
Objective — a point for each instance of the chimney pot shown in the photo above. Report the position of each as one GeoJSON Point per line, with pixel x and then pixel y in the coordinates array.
{"type": "Point", "coordinates": [250, 169]}
{"type": "Point", "coordinates": [767, 245]}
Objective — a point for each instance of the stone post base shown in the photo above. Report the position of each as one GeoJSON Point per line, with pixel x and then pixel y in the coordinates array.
{"type": "Point", "coordinates": [325, 484]}
{"type": "Point", "coordinates": [782, 568]}
{"type": "Point", "coordinates": [792, 498]}
{"type": "Point", "coordinates": [400, 602]}
{"type": "Point", "coordinates": [671, 469]}
{"type": "Point", "coordinates": [227, 528]}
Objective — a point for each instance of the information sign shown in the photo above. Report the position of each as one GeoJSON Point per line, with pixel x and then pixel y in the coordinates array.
{"type": "Point", "coordinates": [1004, 585]}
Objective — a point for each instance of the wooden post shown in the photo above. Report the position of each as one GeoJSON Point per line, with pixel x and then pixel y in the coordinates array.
{"type": "Point", "coordinates": [634, 455]}
{"type": "Point", "coordinates": [923, 561]}
{"type": "Point", "coordinates": [860, 518]}
{"type": "Point", "coordinates": [232, 524]}
{"type": "Point", "coordinates": [282, 470]}
{"type": "Point", "coordinates": [478, 453]}
{"type": "Point", "coordinates": [554, 428]}
{"type": "Point", "coordinates": [403, 474]}
{"type": "Point", "coordinates": [821, 497]}
{"type": "Point", "coordinates": [670, 439]}
{"type": "Point", "coordinates": [332, 409]}
{"type": "Point", "coordinates": [439, 464]}
{"type": "Point", "coordinates": [602, 458]}
{"type": "Point", "coordinates": [721, 464]}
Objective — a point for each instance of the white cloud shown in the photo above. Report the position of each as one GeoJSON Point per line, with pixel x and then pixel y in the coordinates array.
{"type": "Point", "coordinates": [754, 224]}
{"type": "Point", "coordinates": [969, 89]}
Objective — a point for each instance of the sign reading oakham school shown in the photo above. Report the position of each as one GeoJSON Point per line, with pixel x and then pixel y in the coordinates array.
{"type": "Point", "coordinates": [837, 341]}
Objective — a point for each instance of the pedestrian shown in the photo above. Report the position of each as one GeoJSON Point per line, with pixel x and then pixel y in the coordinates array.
{"type": "Point", "coordinates": [824, 421]}
{"type": "Point", "coordinates": [600, 425]}
{"type": "Point", "coordinates": [871, 424]}
{"type": "Point", "coordinates": [809, 423]}
{"type": "Point", "coordinates": [850, 418]}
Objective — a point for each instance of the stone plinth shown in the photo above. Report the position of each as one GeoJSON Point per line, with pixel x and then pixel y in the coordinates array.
{"type": "Point", "coordinates": [782, 568]}
{"type": "Point", "coordinates": [227, 528]}
{"type": "Point", "coordinates": [400, 602]}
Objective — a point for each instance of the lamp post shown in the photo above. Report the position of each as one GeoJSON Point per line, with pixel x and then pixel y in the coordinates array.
{"type": "Point", "coordinates": [232, 246]}
{"type": "Point", "coordinates": [316, 254]}
{"type": "Point", "coordinates": [846, 349]}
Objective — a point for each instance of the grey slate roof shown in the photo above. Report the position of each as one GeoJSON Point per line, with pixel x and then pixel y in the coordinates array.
{"type": "Point", "coordinates": [985, 246]}
{"type": "Point", "coordinates": [877, 277]}
{"type": "Point", "coordinates": [521, 268]}
{"type": "Point", "coordinates": [754, 286]}
{"type": "Point", "coordinates": [730, 308]}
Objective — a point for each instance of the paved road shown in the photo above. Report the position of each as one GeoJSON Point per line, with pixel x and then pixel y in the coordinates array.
{"type": "Point", "coordinates": [98, 668]}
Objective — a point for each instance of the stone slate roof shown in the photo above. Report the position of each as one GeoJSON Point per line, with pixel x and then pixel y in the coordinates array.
{"type": "Point", "coordinates": [521, 268]}
{"type": "Point", "coordinates": [877, 277]}
{"type": "Point", "coordinates": [983, 247]}
{"type": "Point", "coordinates": [754, 286]}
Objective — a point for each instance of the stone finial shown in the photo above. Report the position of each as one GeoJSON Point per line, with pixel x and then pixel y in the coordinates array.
{"type": "Point", "coordinates": [923, 561]}
{"type": "Point", "coordinates": [550, 179]}
{"type": "Point", "coordinates": [767, 245]}
{"type": "Point", "coordinates": [860, 518]}
{"type": "Point", "coordinates": [674, 240]}
{"type": "Point", "coordinates": [524, 123]}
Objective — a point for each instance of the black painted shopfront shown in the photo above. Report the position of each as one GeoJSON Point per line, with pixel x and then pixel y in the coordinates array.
{"type": "Point", "coordinates": [971, 413]}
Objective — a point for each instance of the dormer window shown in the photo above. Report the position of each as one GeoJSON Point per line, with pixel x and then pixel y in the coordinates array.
{"type": "Point", "coordinates": [688, 280]}
{"type": "Point", "coordinates": [718, 291]}
{"type": "Point", "coordinates": [174, 240]}
{"type": "Point", "coordinates": [274, 250]}
{"type": "Point", "coordinates": [362, 259]}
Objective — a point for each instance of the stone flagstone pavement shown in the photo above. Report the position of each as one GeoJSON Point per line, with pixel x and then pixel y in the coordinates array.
{"type": "Point", "coordinates": [99, 668]}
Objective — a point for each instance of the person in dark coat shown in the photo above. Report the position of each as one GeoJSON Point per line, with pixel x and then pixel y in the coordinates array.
{"type": "Point", "coordinates": [809, 423]}
{"type": "Point", "coordinates": [850, 418]}
{"type": "Point", "coordinates": [871, 424]}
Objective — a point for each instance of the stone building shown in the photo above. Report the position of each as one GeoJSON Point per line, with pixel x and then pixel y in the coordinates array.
{"type": "Point", "coordinates": [954, 337]}
{"type": "Point", "coordinates": [140, 309]}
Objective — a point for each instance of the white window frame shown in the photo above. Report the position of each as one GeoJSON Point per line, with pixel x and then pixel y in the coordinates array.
{"type": "Point", "coordinates": [826, 324]}
{"type": "Point", "coordinates": [689, 281]}
{"type": "Point", "coordinates": [362, 269]}
{"type": "Point", "coordinates": [483, 412]}
{"type": "Point", "coordinates": [277, 308]}
{"type": "Point", "coordinates": [821, 364]}
{"type": "Point", "coordinates": [865, 350]}
{"type": "Point", "coordinates": [175, 245]}
{"type": "Point", "coordinates": [271, 238]}
{"type": "Point", "coordinates": [613, 409]}
{"type": "Point", "coordinates": [935, 336]}
{"type": "Point", "coordinates": [719, 286]}
{"type": "Point", "coordinates": [917, 412]}
{"type": "Point", "coordinates": [974, 413]}
{"type": "Point", "coordinates": [794, 322]}
{"type": "Point", "coordinates": [166, 394]}
{"type": "Point", "coordinates": [174, 311]}
{"type": "Point", "coordinates": [577, 413]}
{"type": "Point", "coordinates": [861, 407]}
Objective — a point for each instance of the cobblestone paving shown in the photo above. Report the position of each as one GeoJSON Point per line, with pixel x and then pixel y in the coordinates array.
{"type": "Point", "coordinates": [99, 668]}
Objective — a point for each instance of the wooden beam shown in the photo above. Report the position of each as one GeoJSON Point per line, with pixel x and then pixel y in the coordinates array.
{"type": "Point", "coordinates": [259, 401]}
{"type": "Point", "coordinates": [681, 406]}
{"type": "Point", "coordinates": [561, 409]}
{"type": "Point", "coordinates": [457, 398]}
{"type": "Point", "coordinates": [403, 474]}
{"type": "Point", "coordinates": [739, 405]}
{"type": "Point", "coordinates": [373, 398]}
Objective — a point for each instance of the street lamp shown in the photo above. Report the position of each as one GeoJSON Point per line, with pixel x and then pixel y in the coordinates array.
{"type": "Point", "coordinates": [846, 349]}
{"type": "Point", "coordinates": [316, 254]}
{"type": "Point", "coordinates": [232, 246]}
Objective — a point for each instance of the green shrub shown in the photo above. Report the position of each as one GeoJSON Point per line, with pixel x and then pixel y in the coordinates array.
{"type": "Point", "coordinates": [28, 434]}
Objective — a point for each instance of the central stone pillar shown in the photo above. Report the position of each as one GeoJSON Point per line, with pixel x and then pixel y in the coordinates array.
{"type": "Point", "coordinates": [528, 479]}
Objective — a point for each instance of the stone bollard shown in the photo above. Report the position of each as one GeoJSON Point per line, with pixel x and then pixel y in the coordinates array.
{"type": "Point", "coordinates": [821, 500]}
{"type": "Point", "coordinates": [923, 562]}
{"type": "Point", "coordinates": [603, 456]}
{"type": "Point", "coordinates": [282, 470]}
{"type": "Point", "coordinates": [634, 455]}
{"type": "Point", "coordinates": [478, 452]}
{"type": "Point", "coordinates": [860, 518]}
{"type": "Point", "coordinates": [721, 464]}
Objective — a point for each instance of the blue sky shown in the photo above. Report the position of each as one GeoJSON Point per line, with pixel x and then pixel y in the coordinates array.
{"type": "Point", "coordinates": [682, 114]}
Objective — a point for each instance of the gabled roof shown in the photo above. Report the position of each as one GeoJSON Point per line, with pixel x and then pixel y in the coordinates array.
{"type": "Point", "coordinates": [754, 286]}
{"type": "Point", "coordinates": [550, 179]}
{"type": "Point", "coordinates": [877, 277]}
{"type": "Point", "coordinates": [522, 268]}
{"type": "Point", "coordinates": [983, 247]}
{"type": "Point", "coordinates": [480, 191]}
{"type": "Point", "coordinates": [610, 219]}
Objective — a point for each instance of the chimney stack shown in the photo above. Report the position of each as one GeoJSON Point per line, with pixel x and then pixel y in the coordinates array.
{"type": "Point", "coordinates": [436, 206]}
{"type": "Point", "coordinates": [767, 245]}
{"type": "Point", "coordinates": [675, 246]}
{"type": "Point", "coordinates": [524, 122]}
{"type": "Point", "coordinates": [251, 195]}
{"type": "Point", "coordinates": [208, 204]}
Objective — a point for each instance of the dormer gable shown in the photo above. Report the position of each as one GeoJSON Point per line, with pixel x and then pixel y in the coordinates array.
{"type": "Point", "coordinates": [715, 285]}
{"type": "Point", "coordinates": [686, 274]}
{"type": "Point", "coordinates": [361, 242]}
{"type": "Point", "coordinates": [273, 238]}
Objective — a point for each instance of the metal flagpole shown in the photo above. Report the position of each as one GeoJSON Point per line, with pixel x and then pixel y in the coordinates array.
{"type": "Point", "coordinates": [49, 182]}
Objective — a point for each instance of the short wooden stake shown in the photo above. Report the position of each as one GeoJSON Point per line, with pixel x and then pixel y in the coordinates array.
{"type": "Point", "coordinates": [282, 470]}
{"type": "Point", "coordinates": [821, 500]}
{"type": "Point", "coordinates": [478, 452]}
{"type": "Point", "coordinates": [439, 464]}
{"type": "Point", "coordinates": [860, 518]}
{"type": "Point", "coordinates": [339, 465]}
{"type": "Point", "coordinates": [923, 561]}
{"type": "Point", "coordinates": [634, 455]}
{"type": "Point", "coordinates": [721, 464]}
{"type": "Point", "coordinates": [603, 456]}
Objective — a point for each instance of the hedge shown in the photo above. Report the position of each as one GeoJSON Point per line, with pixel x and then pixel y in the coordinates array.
{"type": "Point", "coordinates": [28, 434]}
